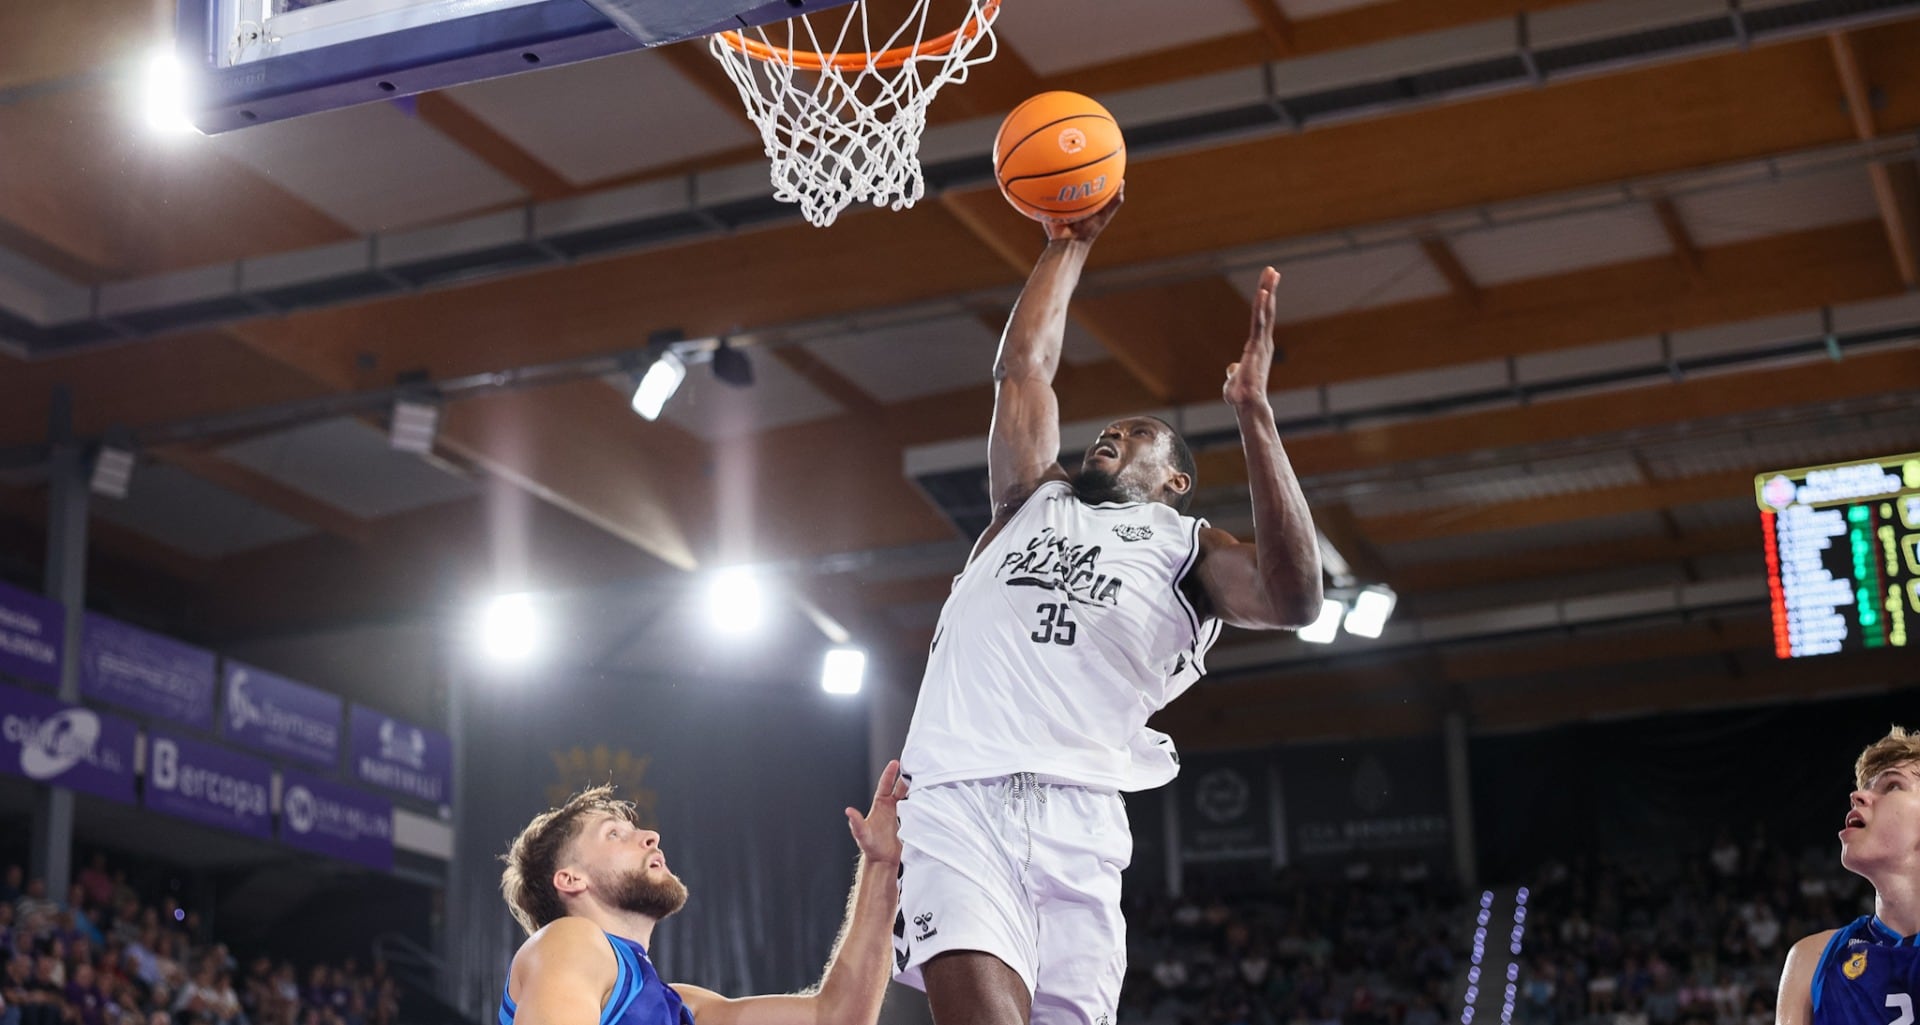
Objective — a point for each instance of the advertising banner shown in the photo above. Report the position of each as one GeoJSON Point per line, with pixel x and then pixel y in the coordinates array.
{"type": "Point", "coordinates": [336, 820]}
{"type": "Point", "coordinates": [402, 757]}
{"type": "Point", "coordinates": [49, 741]}
{"type": "Point", "coordinates": [146, 672]}
{"type": "Point", "coordinates": [277, 716]}
{"type": "Point", "coordinates": [209, 785]}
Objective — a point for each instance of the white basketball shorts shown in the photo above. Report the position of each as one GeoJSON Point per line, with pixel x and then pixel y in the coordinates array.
{"type": "Point", "coordinates": [1025, 870]}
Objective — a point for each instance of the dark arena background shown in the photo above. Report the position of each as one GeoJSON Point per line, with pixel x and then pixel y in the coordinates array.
{"type": "Point", "coordinates": [413, 412]}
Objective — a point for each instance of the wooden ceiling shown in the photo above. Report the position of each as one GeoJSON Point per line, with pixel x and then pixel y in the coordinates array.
{"type": "Point", "coordinates": [613, 497]}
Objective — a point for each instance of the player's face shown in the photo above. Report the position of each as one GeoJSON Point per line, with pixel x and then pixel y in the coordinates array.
{"type": "Point", "coordinates": [1134, 454]}
{"type": "Point", "coordinates": [1882, 831]}
{"type": "Point", "coordinates": [628, 867]}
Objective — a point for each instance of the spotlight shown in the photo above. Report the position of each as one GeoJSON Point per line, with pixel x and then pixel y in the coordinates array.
{"type": "Point", "coordinates": [510, 628]}
{"type": "Point", "coordinates": [734, 601]}
{"type": "Point", "coordinates": [165, 97]}
{"type": "Point", "coordinates": [1322, 629]}
{"type": "Point", "coordinates": [842, 670]}
{"type": "Point", "coordinates": [658, 384]}
{"type": "Point", "coordinates": [731, 366]}
{"type": "Point", "coordinates": [1371, 607]}
{"type": "Point", "coordinates": [112, 470]}
{"type": "Point", "coordinates": [413, 424]}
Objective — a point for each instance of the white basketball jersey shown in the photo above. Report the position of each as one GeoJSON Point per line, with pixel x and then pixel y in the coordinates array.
{"type": "Point", "coordinates": [1057, 643]}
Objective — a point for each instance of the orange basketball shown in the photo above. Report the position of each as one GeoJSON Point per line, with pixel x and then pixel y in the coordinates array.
{"type": "Point", "coordinates": [1059, 157]}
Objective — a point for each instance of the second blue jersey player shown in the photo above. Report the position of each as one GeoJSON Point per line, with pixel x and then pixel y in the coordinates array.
{"type": "Point", "coordinates": [1867, 972]}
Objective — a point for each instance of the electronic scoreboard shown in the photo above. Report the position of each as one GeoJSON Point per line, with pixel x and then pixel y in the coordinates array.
{"type": "Point", "coordinates": [1843, 554]}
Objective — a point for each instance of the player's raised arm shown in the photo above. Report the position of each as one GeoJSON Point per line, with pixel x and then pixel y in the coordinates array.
{"type": "Point", "coordinates": [562, 974]}
{"type": "Point", "coordinates": [1275, 584]}
{"type": "Point", "coordinates": [856, 978]}
{"type": "Point", "coordinates": [1023, 451]}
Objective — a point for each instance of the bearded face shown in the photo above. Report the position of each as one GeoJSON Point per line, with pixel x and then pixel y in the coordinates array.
{"type": "Point", "coordinates": [653, 892]}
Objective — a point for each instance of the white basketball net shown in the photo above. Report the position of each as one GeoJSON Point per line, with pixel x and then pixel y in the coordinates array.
{"type": "Point", "coordinates": [845, 130]}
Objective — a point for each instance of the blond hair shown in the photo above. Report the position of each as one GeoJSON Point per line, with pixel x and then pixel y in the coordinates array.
{"type": "Point", "coordinates": [534, 856]}
{"type": "Point", "coordinates": [1897, 748]}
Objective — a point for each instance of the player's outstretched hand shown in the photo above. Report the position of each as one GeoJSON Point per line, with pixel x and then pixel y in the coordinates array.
{"type": "Point", "coordinates": [1247, 379]}
{"type": "Point", "coordinates": [1087, 228]}
{"type": "Point", "coordinates": [878, 831]}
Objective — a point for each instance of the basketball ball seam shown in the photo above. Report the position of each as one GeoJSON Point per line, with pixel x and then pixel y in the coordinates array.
{"type": "Point", "coordinates": [1006, 183]}
{"type": "Point", "coordinates": [1015, 148]}
{"type": "Point", "coordinates": [1046, 214]}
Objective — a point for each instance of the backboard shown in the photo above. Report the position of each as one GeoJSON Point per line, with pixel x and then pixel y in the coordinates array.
{"type": "Point", "coordinates": [252, 61]}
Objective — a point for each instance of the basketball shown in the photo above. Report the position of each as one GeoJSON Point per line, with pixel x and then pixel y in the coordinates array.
{"type": "Point", "coordinates": [1059, 157]}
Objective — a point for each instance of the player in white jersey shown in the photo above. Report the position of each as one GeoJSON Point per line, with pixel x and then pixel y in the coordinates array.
{"type": "Point", "coordinates": [1086, 606]}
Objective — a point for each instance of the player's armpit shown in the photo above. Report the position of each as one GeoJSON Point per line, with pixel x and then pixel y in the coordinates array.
{"type": "Point", "coordinates": [1795, 1003]}
{"type": "Point", "coordinates": [710, 1008]}
{"type": "Point", "coordinates": [563, 975]}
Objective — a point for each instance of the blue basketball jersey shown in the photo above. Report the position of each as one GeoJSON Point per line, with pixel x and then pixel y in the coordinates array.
{"type": "Point", "coordinates": [638, 997]}
{"type": "Point", "coordinates": [1868, 975]}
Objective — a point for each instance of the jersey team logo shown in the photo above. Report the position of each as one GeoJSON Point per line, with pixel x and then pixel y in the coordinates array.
{"type": "Point", "coordinates": [1133, 531]}
{"type": "Point", "coordinates": [1856, 966]}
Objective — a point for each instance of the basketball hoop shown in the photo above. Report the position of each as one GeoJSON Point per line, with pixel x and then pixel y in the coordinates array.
{"type": "Point", "coordinates": [840, 118]}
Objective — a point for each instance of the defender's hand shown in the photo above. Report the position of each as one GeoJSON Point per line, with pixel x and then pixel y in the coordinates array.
{"type": "Point", "coordinates": [1087, 228]}
{"type": "Point", "coordinates": [878, 831]}
{"type": "Point", "coordinates": [1247, 380]}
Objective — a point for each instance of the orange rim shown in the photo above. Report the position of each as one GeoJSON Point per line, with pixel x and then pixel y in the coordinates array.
{"type": "Point", "coordinates": [809, 60]}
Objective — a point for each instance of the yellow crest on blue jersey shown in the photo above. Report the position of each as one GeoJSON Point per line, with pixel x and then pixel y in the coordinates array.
{"type": "Point", "coordinates": [1856, 966]}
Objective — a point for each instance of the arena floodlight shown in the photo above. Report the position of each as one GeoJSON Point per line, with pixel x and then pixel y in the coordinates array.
{"type": "Point", "coordinates": [1371, 607]}
{"type": "Point", "coordinates": [658, 384]}
{"type": "Point", "coordinates": [165, 96]}
{"type": "Point", "coordinates": [842, 670]}
{"type": "Point", "coordinates": [735, 604]}
{"type": "Point", "coordinates": [1326, 625]}
{"type": "Point", "coordinates": [413, 424]}
{"type": "Point", "coordinates": [510, 629]}
{"type": "Point", "coordinates": [112, 470]}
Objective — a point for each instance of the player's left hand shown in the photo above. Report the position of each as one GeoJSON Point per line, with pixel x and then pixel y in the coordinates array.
{"type": "Point", "coordinates": [878, 831]}
{"type": "Point", "coordinates": [1247, 380]}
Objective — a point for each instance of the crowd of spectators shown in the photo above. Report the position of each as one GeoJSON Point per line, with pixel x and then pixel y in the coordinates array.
{"type": "Point", "coordinates": [1605, 943]}
{"type": "Point", "coordinates": [109, 955]}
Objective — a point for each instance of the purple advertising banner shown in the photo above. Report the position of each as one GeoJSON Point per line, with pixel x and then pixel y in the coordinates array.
{"type": "Point", "coordinates": [402, 757]}
{"type": "Point", "coordinates": [146, 672]}
{"type": "Point", "coordinates": [278, 716]}
{"type": "Point", "coordinates": [209, 785]}
{"type": "Point", "coordinates": [50, 741]}
{"type": "Point", "coordinates": [32, 630]}
{"type": "Point", "coordinates": [337, 821]}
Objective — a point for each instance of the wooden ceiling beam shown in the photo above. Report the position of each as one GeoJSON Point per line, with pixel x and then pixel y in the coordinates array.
{"type": "Point", "coordinates": [833, 383]}
{"type": "Point", "coordinates": [1554, 563]}
{"type": "Point", "coordinates": [1017, 241]}
{"type": "Point", "coordinates": [1519, 514]}
{"type": "Point", "coordinates": [1447, 262]}
{"type": "Point", "coordinates": [267, 491]}
{"type": "Point", "coordinates": [1684, 248]}
{"type": "Point", "coordinates": [1649, 407]}
{"type": "Point", "coordinates": [1274, 25]}
{"type": "Point", "coordinates": [485, 142]}
{"type": "Point", "coordinates": [1898, 221]}
{"type": "Point", "coordinates": [1361, 25]}
{"type": "Point", "coordinates": [1617, 126]}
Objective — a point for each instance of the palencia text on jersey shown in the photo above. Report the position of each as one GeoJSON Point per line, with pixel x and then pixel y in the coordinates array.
{"type": "Point", "coordinates": [1052, 561]}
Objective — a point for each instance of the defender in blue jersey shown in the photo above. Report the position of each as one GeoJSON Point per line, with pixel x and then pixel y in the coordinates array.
{"type": "Point", "coordinates": [589, 884]}
{"type": "Point", "coordinates": [1868, 971]}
